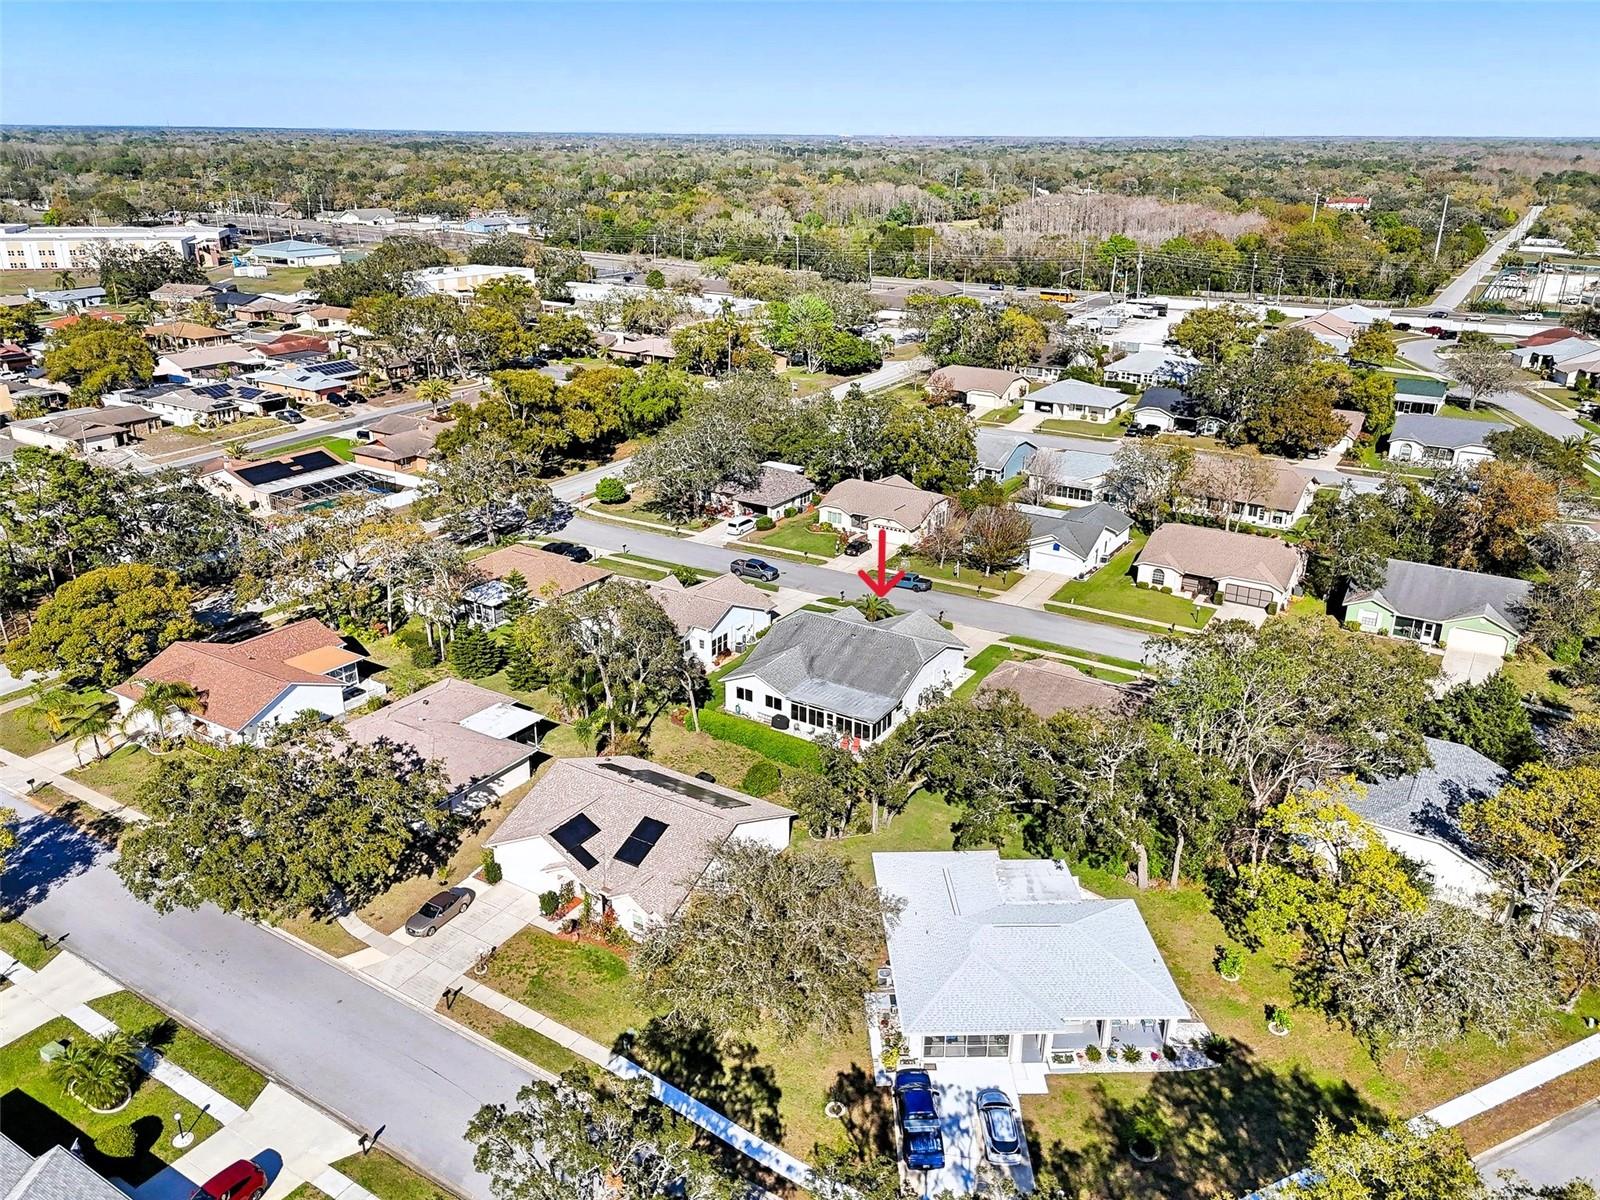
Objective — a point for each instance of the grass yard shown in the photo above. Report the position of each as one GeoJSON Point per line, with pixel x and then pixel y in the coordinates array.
{"type": "Point", "coordinates": [340, 447]}
{"type": "Point", "coordinates": [1112, 588]}
{"type": "Point", "coordinates": [806, 383]}
{"type": "Point", "coordinates": [1484, 412]}
{"type": "Point", "coordinates": [24, 945]}
{"type": "Point", "coordinates": [279, 279]}
{"type": "Point", "coordinates": [327, 936]}
{"type": "Point", "coordinates": [796, 534]}
{"type": "Point", "coordinates": [119, 774]}
{"type": "Point", "coordinates": [18, 735]}
{"type": "Point", "coordinates": [641, 506]}
{"type": "Point", "coordinates": [1534, 672]}
{"type": "Point", "coordinates": [387, 1178]}
{"type": "Point", "coordinates": [980, 664]}
{"type": "Point", "coordinates": [503, 1031]}
{"type": "Point", "coordinates": [211, 1064]}
{"type": "Point", "coordinates": [632, 570]}
{"type": "Point", "coordinates": [952, 571]}
{"type": "Point", "coordinates": [1111, 660]}
{"type": "Point", "coordinates": [247, 427]}
{"type": "Point", "coordinates": [1102, 429]}
{"type": "Point", "coordinates": [1001, 416]}
{"type": "Point", "coordinates": [37, 1114]}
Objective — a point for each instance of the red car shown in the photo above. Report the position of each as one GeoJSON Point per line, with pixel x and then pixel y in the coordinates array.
{"type": "Point", "coordinates": [242, 1181]}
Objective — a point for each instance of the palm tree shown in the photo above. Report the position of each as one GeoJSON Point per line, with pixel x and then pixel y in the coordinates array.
{"type": "Point", "coordinates": [90, 723]}
{"type": "Point", "coordinates": [162, 698]}
{"type": "Point", "coordinates": [433, 391]}
{"type": "Point", "coordinates": [876, 608]}
{"type": "Point", "coordinates": [65, 279]}
{"type": "Point", "coordinates": [52, 713]}
{"type": "Point", "coordinates": [99, 1071]}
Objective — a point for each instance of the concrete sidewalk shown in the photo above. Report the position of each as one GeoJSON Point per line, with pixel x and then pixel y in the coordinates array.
{"type": "Point", "coordinates": [1523, 1079]}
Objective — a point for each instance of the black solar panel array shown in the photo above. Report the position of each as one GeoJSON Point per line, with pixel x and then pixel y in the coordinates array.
{"type": "Point", "coordinates": [641, 841]}
{"type": "Point", "coordinates": [571, 836]}
{"type": "Point", "coordinates": [671, 784]}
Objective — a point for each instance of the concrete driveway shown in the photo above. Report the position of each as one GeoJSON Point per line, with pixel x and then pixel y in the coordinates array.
{"type": "Point", "coordinates": [1468, 666]}
{"type": "Point", "coordinates": [958, 1082]}
{"type": "Point", "coordinates": [1033, 589]}
{"type": "Point", "coordinates": [1250, 614]}
{"type": "Point", "coordinates": [423, 967]}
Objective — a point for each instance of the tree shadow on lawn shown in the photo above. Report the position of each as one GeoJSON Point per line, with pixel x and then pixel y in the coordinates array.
{"type": "Point", "coordinates": [722, 1072]}
{"type": "Point", "coordinates": [36, 1128]}
{"type": "Point", "coordinates": [1232, 1129]}
{"type": "Point", "coordinates": [868, 1115]}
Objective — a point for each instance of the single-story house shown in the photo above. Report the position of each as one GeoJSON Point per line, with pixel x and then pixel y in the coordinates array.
{"type": "Point", "coordinates": [1002, 456]}
{"type": "Point", "coordinates": [68, 299]}
{"type": "Point", "coordinates": [977, 389]}
{"type": "Point", "coordinates": [643, 351]}
{"type": "Point", "coordinates": [1075, 542]}
{"type": "Point", "coordinates": [484, 742]}
{"type": "Point", "coordinates": [14, 358]}
{"type": "Point", "coordinates": [399, 442]}
{"type": "Point", "coordinates": [326, 316]}
{"type": "Point", "coordinates": [303, 480]}
{"type": "Point", "coordinates": [1442, 606]}
{"type": "Point", "coordinates": [1414, 394]}
{"type": "Point", "coordinates": [894, 504]}
{"type": "Point", "coordinates": [1441, 441]}
{"type": "Point", "coordinates": [548, 576]}
{"type": "Point", "coordinates": [57, 1174]}
{"type": "Point", "coordinates": [1199, 561]}
{"type": "Point", "coordinates": [1548, 355]}
{"type": "Point", "coordinates": [87, 429]}
{"type": "Point", "coordinates": [247, 687]}
{"type": "Point", "coordinates": [294, 253]}
{"type": "Point", "coordinates": [207, 362]}
{"type": "Point", "coordinates": [1079, 401]}
{"type": "Point", "coordinates": [466, 278]}
{"type": "Point", "coordinates": [1256, 491]}
{"type": "Point", "coordinates": [841, 674]}
{"type": "Point", "coordinates": [1148, 367]}
{"type": "Point", "coordinates": [1354, 422]}
{"type": "Point", "coordinates": [633, 836]}
{"type": "Point", "coordinates": [1573, 372]}
{"type": "Point", "coordinates": [180, 405]}
{"type": "Point", "coordinates": [268, 308]}
{"type": "Point", "coordinates": [183, 335]}
{"type": "Point", "coordinates": [716, 618]}
{"type": "Point", "coordinates": [1332, 331]}
{"type": "Point", "coordinates": [1546, 337]}
{"type": "Point", "coordinates": [1419, 816]}
{"type": "Point", "coordinates": [1171, 410]}
{"type": "Point", "coordinates": [1009, 960]}
{"type": "Point", "coordinates": [307, 385]}
{"type": "Point", "coordinates": [361, 216]}
{"type": "Point", "coordinates": [778, 488]}
{"type": "Point", "coordinates": [1048, 686]}
{"type": "Point", "coordinates": [1068, 477]}
{"type": "Point", "coordinates": [1359, 315]}
{"type": "Point", "coordinates": [171, 296]}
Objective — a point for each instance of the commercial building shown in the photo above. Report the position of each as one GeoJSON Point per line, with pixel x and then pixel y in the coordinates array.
{"type": "Point", "coordinates": [77, 247]}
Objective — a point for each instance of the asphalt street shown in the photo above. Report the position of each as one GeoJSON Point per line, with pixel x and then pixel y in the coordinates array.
{"type": "Point", "coordinates": [1458, 289]}
{"type": "Point", "coordinates": [1425, 354]}
{"type": "Point", "coordinates": [356, 1051]}
{"type": "Point", "coordinates": [1566, 1148]}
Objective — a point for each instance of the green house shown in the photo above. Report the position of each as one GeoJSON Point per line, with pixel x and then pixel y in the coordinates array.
{"type": "Point", "coordinates": [1413, 394]}
{"type": "Point", "coordinates": [1441, 606]}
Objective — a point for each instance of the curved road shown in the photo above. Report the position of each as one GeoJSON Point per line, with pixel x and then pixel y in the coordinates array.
{"type": "Point", "coordinates": [1424, 352]}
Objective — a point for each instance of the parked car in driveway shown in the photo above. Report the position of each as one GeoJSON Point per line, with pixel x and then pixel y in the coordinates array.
{"type": "Point", "coordinates": [857, 546]}
{"type": "Point", "coordinates": [577, 553]}
{"type": "Point", "coordinates": [443, 908]}
{"type": "Point", "coordinates": [913, 582]}
{"type": "Point", "coordinates": [1002, 1130]}
{"type": "Point", "coordinates": [754, 568]}
{"type": "Point", "coordinates": [290, 416]}
{"type": "Point", "coordinates": [917, 1108]}
{"type": "Point", "coordinates": [739, 526]}
{"type": "Point", "coordinates": [244, 1180]}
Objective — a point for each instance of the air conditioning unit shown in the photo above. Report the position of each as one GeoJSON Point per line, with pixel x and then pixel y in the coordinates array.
{"type": "Point", "coordinates": [779, 721]}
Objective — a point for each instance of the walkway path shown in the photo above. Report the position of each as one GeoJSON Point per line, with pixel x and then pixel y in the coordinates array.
{"type": "Point", "coordinates": [17, 773]}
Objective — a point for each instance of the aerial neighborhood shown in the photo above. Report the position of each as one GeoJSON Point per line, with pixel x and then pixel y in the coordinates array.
{"type": "Point", "coordinates": [673, 668]}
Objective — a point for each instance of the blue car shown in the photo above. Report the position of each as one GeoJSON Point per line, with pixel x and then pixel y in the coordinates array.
{"type": "Point", "coordinates": [918, 1109]}
{"type": "Point", "coordinates": [913, 582]}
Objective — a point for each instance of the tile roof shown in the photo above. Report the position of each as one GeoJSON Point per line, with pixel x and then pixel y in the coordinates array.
{"type": "Point", "coordinates": [985, 946]}
{"type": "Point", "coordinates": [238, 681]}
{"type": "Point", "coordinates": [844, 663]}
{"type": "Point", "coordinates": [186, 331]}
{"type": "Point", "coordinates": [1217, 553]}
{"type": "Point", "coordinates": [1433, 593]}
{"type": "Point", "coordinates": [1450, 433]}
{"type": "Point", "coordinates": [431, 721]}
{"type": "Point", "coordinates": [1048, 687]}
{"type": "Point", "coordinates": [211, 356]}
{"type": "Point", "coordinates": [540, 568]}
{"type": "Point", "coordinates": [1429, 802]}
{"type": "Point", "coordinates": [893, 498]}
{"type": "Point", "coordinates": [615, 794]}
{"type": "Point", "coordinates": [704, 605]}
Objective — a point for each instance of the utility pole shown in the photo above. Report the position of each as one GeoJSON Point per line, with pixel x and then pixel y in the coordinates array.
{"type": "Point", "coordinates": [1252, 277]}
{"type": "Point", "coordinates": [1438, 240]}
{"type": "Point", "coordinates": [1315, 198]}
{"type": "Point", "coordinates": [1138, 287]}
{"type": "Point", "coordinates": [869, 268]}
{"type": "Point", "coordinates": [797, 250]}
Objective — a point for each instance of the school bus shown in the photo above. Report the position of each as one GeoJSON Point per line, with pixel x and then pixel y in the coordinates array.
{"type": "Point", "coordinates": [1058, 295]}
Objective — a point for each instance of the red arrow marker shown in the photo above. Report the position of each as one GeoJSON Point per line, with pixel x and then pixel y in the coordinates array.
{"type": "Point", "coordinates": [884, 583]}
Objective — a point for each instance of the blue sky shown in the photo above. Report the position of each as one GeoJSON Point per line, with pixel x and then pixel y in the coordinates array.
{"type": "Point", "coordinates": [909, 67]}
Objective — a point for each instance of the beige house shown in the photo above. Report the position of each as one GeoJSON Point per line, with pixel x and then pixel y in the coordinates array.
{"type": "Point", "coordinates": [895, 505]}
{"type": "Point", "coordinates": [977, 389]}
{"type": "Point", "coordinates": [1198, 561]}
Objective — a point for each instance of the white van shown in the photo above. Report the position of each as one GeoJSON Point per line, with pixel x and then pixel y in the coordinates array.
{"type": "Point", "coordinates": [739, 526]}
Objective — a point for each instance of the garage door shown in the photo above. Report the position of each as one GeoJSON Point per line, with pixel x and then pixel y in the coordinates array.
{"type": "Point", "coordinates": [1473, 642]}
{"type": "Point", "coordinates": [1239, 594]}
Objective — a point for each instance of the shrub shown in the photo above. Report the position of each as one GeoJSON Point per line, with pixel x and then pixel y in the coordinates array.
{"type": "Point", "coordinates": [492, 873]}
{"type": "Point", "coordinates": [565, 892]}
{"type": "Point", "coordinates": [1272, 608]}
{"type": "Point", "coordinates": [791, 511]}
{"type": "Point", "coordinates": [764, 523]}
{"type": "Point", "coordinates": [98, 1072]}
{"type": "Point", "coordinates": [1218, 596]}
{"type": "Point", "coordinates": [1092, 1053]}
{"type": "Point", "coordinates": [1169, 1052]}
{"type": "Point", "coordinates": [1229, 961]}
{"type": "Point", "coordinates": [523, 672]}
{"type": "Point", "coordinates": [761, 779]}
{"type": "Point", "coordinates": [1167, 590]}
{"type": "Point", "coordinates": [1132, 1054]}
{"type": "Point", "coordinates": [1143, 584]}
{"type": "Point", "coordinates": [548, 903]}
{"type": "Point", "coordinates": [687, 576]}
{"type": "Point", "coordinates": [410, 638]}
{"type": "Point", "coordinates": [475, 654]}
{"type": "Point", "coordinates": [117, 1142]}
{"type": "Point", "coordinates": [611, 491]}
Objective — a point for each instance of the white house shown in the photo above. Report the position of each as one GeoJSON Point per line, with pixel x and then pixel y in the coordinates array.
{"type": "Point", "coordinates": [1079, 401]}
{"type": "Point", "coordinates": [1077, 542]}
{"type": "Point", "coordinates": [1199, 561]}
{"type": "Point", "coordinates": [247, 687]}
{"type": "Point", "coordinates": [632, 836]}
{"type": "Point", "coordinates": [716, 618]}
{"type": "Point", "coordinates": [841, 674]}
{"type": "Point", "coordinates": [467, 279]}
{"type": "Point", "coordinates": [1009, 961]}
{"type": "Point", "coordinates": [1147, 367]}
{"type": "Point", "coordinates": [895, 505]}
{"type": "Point", "coordinates": [978, 389]}
{"type": "Point", "coordinates": [182, 406]}
{"type": "Point", "coordinates": [1068, 477]}
{"type": "Point", "coordinates": [1441, 441]}
{"type": "Point", "coordinates": [1251, 489]}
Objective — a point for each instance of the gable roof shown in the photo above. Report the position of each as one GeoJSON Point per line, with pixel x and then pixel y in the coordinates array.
{"type": "Point", "coordinates": [1428, 803]}
{"type": "Point", "coordinates": [1076, 391]}
{"type": "Point", "coordinates": [1546, 337]}
{"type": "Point", "coordinates": [238, 681]}
{"type": "Point", "coordinates": [1164, 399]}
{"type": "Point", "coordinates": [188, 331]}
{"type": "Point", "coordinates": [985, 946]}
{"type": "Point", "coordinates": [844, 663]}
{"type": "Point", "coordinates": [600, 803]}
{"type": "Point", "coordinates": [775, 484]}
{"type": "Point", "coordinates": [1433, 593]}
{"type": "Point", "coordinates": [957, 378]}
{"type": "Point", "coordinates": [1450, 433]}
{"type": "Point", "coordinates": [1148, 361]}
{"type": "Point", "coordinates": [1047, 687]}
{"type": "Point", "coordinates": [1415, 385]}
{"type": "Point", "coordinates": [1566, 349]}
{"type": "Point", "coordinates": [1217, 553]}
{"type": "Point", "coordinates": [704, 605]}
{"type": "Point", "coordinates": [57, 1174]}
{"type": "Point", "coordinates": [1068, 466]}
{"type": "Point", "coordinates": [995, 447]}
{"type": "Point", "coordinates": [439, 723]}
{"type": "Point", "coordinates": [893, 498]}
{"type": "Point", "coordinates": [540, 568]}
{"type": "Point", "coordinates": [1286, 486]}
{"type": "Point", "coordinates": [1078, 528]}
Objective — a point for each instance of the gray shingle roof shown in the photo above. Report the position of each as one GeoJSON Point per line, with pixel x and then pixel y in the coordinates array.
{"type": "Point", "coordinates": [57, 1174]}
{"type": "Point", "coordinates": [995, 448]}
{"type": "Point", "coordinates": [1078, 529]}
{"type": "Point", "coordinates": [1076, 391]}
{"type": "Point", "coordinates": [1450, 433]}
{"type": "Point", "coordinates": [1429, 802]}
{"type": "Point", "coordinates": [844, 663]}
{"type": "Point", "coordinates": [1048, 687]}
{"type": "Point", "coordinates": [774, 485]}
{"type": "Point", "coordinates": [1446, 594]}
{"type": "Point", "coordinates": [985, 946]}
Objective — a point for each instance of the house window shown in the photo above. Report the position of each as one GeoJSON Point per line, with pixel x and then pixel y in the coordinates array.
{"type": "Point", "coordinates": [1158, 578]}
{"type": "Point", "coordinates": [967, 1045]}
{"type": "Point", "coordinates": [774, 702]}
{"type": "Point", "coordinates": [1421, 631]}
{"type": "Point", "coordinates": [1369, 619]}
{"type": "Point", "coordinates": [719, 645]}
{"type": "Point", "coordinates": [743, 693]}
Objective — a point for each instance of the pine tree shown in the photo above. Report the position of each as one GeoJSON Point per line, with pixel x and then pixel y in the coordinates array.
{"type": "Point", "coordinates": [517, 601]}
{"type": "Point", "coordinates": [475, 654]}
{"type": "Point", "coordinates": [523, 673]}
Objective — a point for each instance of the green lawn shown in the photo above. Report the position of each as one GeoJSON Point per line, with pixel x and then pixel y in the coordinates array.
{"type": "Point", "coordinates": [36, 1113]}
{"type": "Point", "coordinates": [387, 1178]}
{"type": "Point", "coordinates": [515, 1037]}
{"type": "Point", "coordinates": [24, 945]}
{"type": "Point", "coordinates": [1112, 588]}
{"type": "Point", "coordinates": [248, 427]}
{"type": "Point", "coordinates": [807, 383]}
{"type": "Point", "coordinates": [1001, 416]}
{"type": "Point", "coordinates": [279, 279]}
{"type": "Point", "coordinates": [952, 571]}
{"type": "Point", "coordinates": [796, 534]}
{"type": "Point", "coordinates": [120, 774]}
{"type": "Point", "coordinates": [18, 735]}
{"type": "Point", "coordinates": [211, 1064]}
{"type": "Point", "coordinates": [632, 570]}
{"type": "Point", "coordinates": [1484, 412]}
{"type": "Point", "coordinates": [980, 664]}
{"type": "Point", "coordinates": [339, 447]}
{"type": "Point", "coordinates": [1110, 660]}
{"type": "Point", "coordinates": [1104, 429]}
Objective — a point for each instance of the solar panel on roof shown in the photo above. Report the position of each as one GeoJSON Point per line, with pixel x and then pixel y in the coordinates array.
{"type": "Point", "coordinates": [333, 368]}
{"type": "Point", "coordinates": [571, 836]}
{"type": "Point", "coordinates": [641, 841]}
{"type": "Point", "coordinates": [215, 391]}
{"type": "Point", "coordinates": [249, 393]}
{"type": "Point", "coordinates": [679, 786]}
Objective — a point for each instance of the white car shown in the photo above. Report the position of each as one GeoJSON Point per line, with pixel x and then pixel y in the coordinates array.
{"type": "Point", "coordinates": [1532, 316]}
{"type": "Point", "coordinates": [739, 526]}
